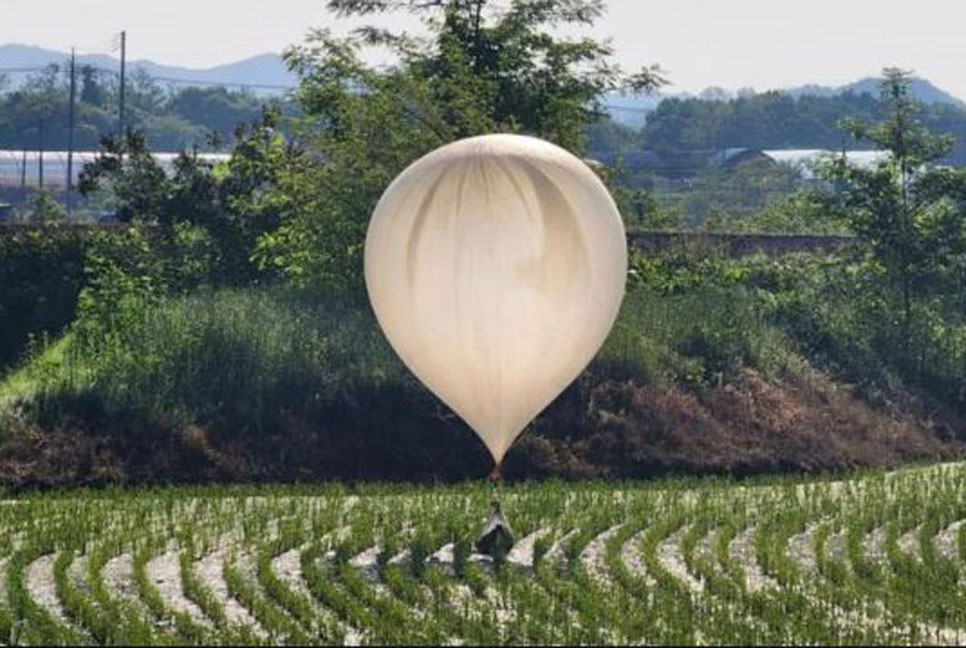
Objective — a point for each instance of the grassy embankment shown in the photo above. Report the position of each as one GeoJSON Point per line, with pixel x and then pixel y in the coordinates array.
{"type": "Point", "coordinates": [730, 371]}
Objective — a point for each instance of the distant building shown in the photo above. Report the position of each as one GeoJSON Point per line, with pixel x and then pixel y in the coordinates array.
{"type": "Point", "coordinates": [24, 167]}
{"type": "Point", "coordinates": [806, 161]}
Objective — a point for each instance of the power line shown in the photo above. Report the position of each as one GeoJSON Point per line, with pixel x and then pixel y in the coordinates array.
{"type": "Point", "coordinates": [120, 113]}
{"type": "Point", "coordinates": [70, 136]}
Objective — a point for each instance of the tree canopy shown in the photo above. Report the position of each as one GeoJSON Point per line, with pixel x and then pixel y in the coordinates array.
{"type": "Point", "coordinates": [35, 114]}
{"type": "Point", "coordinates": [478, 70]}
{"type": "Point", "coordinates": [773, 120]}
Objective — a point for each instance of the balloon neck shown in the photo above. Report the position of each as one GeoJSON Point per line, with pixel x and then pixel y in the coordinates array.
{"type": "Point", "coordinates": [495, 475]}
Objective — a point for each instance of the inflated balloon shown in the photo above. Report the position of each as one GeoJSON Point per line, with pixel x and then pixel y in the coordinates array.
{"type": "Point", "coordinates": [496, 266]}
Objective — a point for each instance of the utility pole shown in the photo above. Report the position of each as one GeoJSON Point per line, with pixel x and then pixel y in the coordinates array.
{"type": "Point", "coordinates": [70, 139]}
{"type": "Point", "coordinates": [40, 153]}
{"type": "Point", "coordinates": [23, 175]}
{"type": "Point", "coordinates": [478, 54]}
{"type": "Point", "coordinates": [121, 111]}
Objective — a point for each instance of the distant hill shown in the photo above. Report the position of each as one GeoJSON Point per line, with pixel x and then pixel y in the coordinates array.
{"type": "Point", "coordinates": [263, 72]}
{"type": "Point", "coordinates": [632, 111]}
{"type": "Point", "coordinates": [921, 89]}
{"type": "Point", "coordinates": [267, 72]}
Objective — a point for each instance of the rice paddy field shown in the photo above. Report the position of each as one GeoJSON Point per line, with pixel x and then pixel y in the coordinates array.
{"type": "Point", "coordinates": [877, 558]}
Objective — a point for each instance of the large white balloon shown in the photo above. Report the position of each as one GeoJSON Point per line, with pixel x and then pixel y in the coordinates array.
{"type": "Point", "coordinates": [496, 267]}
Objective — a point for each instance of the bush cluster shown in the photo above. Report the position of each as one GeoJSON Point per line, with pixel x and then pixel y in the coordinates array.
{"type": "Point", "coordinates": [41, 272]}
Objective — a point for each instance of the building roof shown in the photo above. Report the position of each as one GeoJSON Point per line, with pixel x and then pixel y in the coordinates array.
{"type": "Point", "coordinates": [806, 161]}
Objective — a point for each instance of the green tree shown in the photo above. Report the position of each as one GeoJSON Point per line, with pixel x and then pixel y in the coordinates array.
{"type": "Point", "coordinates": [478, 71]}
{"type": "Point", "coordinates": [138, 182]}
{"type": "Point", "coordinates": [42, 208]}
{"type": "Point", "coordinates": [775, 120]}
{"type": "Point", "coordinates": [170, 120]}
{"type": "Point", "coordinates": [91, 91]}
{"type": "Point", "coordinates": [216, 108]}
{"type": "Point", "coordinates": [223, 210]}
{"type": "Point", "coordinates": [911, 214]}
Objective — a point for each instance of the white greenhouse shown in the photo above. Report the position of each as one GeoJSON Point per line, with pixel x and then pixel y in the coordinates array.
{"type": "Point", "coordinates": [24, 168]}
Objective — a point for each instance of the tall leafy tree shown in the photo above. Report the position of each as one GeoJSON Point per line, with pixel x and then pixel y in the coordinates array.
{"type": "Point", "coordinates": [477, 70]}
{"type": "Point", "coordinates": [910, 212]}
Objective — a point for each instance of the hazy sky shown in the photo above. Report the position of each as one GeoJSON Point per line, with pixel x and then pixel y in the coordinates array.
{"type": "Point", "coordinates": [730, 43]}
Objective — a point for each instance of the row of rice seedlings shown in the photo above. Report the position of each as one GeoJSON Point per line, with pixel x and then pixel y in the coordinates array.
{"type": "Point", "coordinates": [80, 608]}
{"type": "Point", "coordinates": [857, 606]}
{"type": "Point", "coordinates": [271, 528]}
{"type": "Point", "coordinates": [861, 587]}
{"type": "Point", "coordinates": [723, 592]}
{"type": "Point", "coordinates": [793, 609]}
{"type": "Point", "coordinates": [636, 603]}
{"type": "Point", "coordinates": [304, 610]}
{"type": "Point", "coordinates": [894, 584]}
{"type": "Point", "coordinates": [199, 594]}
{"type": "Point", "coordinates": [924, 590]}
{"type": "Point", "coordinates": [534, 608]}
{"type": "Point", "coordinates": [460, 605]}
{"type": "Point", "coordinates": [123, 621]}
{"type": "Point", "coordinates": [35, 625]}
{"type": "Point", "coordinates": [7, 636]}
{"type": "Point", "coordinates": [543, 612]}
{"type": "Point", "coordinates": [627, 601]}
{"type": "Point", "coordinates": [279, 625]}
{"type": "Point", "coordinates": [585, 595]}
{"type": "Point", "coordinates": [187, 628]}
{"type": "Point", "coordinates": [354, 596]}
{"type": "Point", "coordinates": [150, 526]}
{"type": "Point", "coordinates": [74, 524]}
{"type": "Point", "coordinates": [728, 612]}
{"type": "Point", "coordinates": [195, 547]}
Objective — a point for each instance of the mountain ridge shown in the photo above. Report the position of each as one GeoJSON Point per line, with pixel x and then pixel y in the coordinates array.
{"type": "Point", "coordinates": [269, 72]}
{"type": "Point", "coordinates": [264, 70]}
{"type": "Point", "coordinates": [632, 111]}
{"type": "Point", "coordinates": [921, 89]}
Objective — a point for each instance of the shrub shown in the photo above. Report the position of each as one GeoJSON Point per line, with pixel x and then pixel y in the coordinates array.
{"type": "Point", "coordinates": [40, 274]}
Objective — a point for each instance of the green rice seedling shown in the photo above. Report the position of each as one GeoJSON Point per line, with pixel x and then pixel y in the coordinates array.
{"type": "Point", "coordinates": [197, 592]}
{"type": "Point", "coordinates": [37, 625]}
{"type": "Point", "coordinates": [187, 628]}
{"type": "Point", "coordinates": [79, 608]}
{"type": "Point", "coordinates": [279, 625]}
{"type": "Point", "coordinates": [299, 606]}
{"type": "Point", "coordinates": [670, 562]}
{"type": "Point", "coordinates": [123, 621]}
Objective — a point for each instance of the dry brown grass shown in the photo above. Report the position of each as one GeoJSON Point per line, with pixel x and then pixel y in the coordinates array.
{"type": "Point", "coordinates": [802, 422]}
